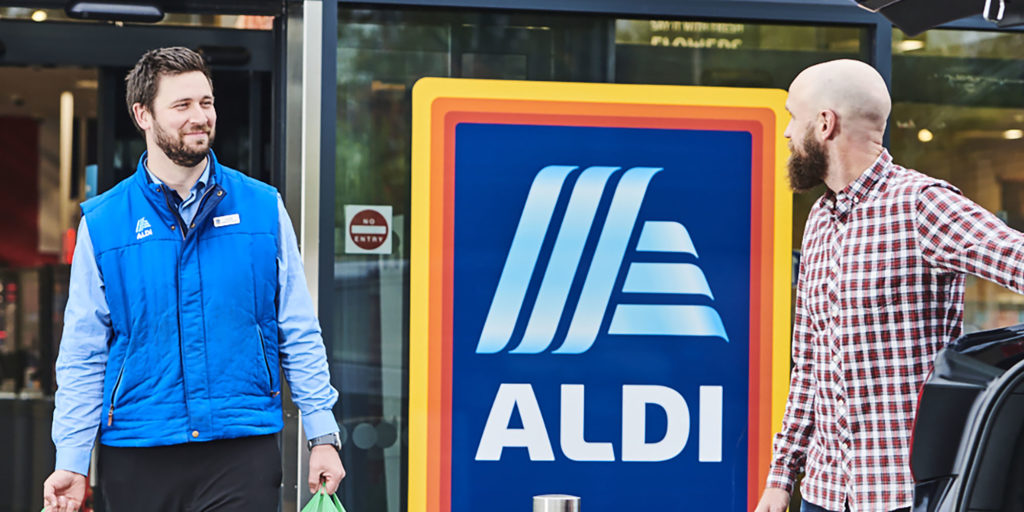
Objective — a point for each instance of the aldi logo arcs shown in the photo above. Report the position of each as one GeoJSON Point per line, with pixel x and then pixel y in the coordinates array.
{"type": "Point", "coordinates": [600, 294]}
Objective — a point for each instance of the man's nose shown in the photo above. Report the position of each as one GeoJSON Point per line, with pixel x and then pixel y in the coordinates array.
{"type": "Point", "coordinates": [197, 114]}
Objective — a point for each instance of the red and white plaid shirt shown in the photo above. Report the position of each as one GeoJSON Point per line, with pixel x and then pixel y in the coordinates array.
{"type": "Point", "coordinates": [880, 291]}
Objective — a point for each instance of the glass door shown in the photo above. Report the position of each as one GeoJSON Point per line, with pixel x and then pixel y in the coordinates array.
{"type": "Point", "coordinates": [65, 136]}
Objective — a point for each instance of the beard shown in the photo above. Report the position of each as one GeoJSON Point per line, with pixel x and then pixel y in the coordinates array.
{"type": "Point", "coordinates": [178, 151]}
{"type": "Point", "coordinates": [808, 170]}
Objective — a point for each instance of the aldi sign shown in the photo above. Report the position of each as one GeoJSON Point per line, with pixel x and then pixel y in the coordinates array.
{"type": "Point", "coordinates": [600, 294]}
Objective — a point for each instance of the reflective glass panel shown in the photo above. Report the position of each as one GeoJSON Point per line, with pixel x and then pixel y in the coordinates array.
{"type": "Point", "coordinates": [958, 115]}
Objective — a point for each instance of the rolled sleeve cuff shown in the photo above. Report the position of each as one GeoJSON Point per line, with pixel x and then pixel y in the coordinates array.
{"type": "Point", "coordinates": [781, 478]}
{"type": "Point", "coordinates": [75, 460]}
{"type": "Point", "coordinates": [319, 423]}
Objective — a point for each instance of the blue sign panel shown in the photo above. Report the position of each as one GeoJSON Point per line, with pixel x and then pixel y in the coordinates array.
{"type": "Point", "coordinates": [601, 316]}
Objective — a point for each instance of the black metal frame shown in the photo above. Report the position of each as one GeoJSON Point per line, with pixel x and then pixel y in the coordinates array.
{"type": "Point", "coordinates": [328, 105]}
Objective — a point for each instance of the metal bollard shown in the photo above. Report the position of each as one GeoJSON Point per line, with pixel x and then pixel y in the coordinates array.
{"type": "Point", "coordinates": [556, 503]}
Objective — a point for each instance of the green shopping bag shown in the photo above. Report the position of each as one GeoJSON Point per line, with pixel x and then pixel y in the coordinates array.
{"type": "Point", "coordinates": [320, 502]}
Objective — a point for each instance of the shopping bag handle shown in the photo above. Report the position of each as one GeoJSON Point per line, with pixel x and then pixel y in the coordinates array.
{"type": "Point", "coordinates": [337, 503]}
{"type": "Point", "coordinates": [334, 498]}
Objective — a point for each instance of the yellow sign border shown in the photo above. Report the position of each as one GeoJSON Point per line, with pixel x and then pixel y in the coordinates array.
{"type": "Point", "coordinates": [427, 90]}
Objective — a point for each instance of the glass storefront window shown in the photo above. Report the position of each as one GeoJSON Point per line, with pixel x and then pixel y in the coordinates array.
{"type": "Point", "coordinates": [725, 54]}
{"type": "Point", "coordinates": [958, 115]}
{"type": "Point", "coordinates": [381, 53]}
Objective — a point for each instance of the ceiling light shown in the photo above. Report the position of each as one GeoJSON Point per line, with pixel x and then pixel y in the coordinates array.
{"type": "Point", "coordinates": [87, 84]}
{"type": "Point", "coordinates": [909, 45]}
{"type": "Point", "coordinates": [1013, 134]}
{"type": "Point", "coordinates": [144, 12]}
{"type": "Point", "coordinates": [925, 135]}
{"type": "Point", "coordinates": [39, 15]}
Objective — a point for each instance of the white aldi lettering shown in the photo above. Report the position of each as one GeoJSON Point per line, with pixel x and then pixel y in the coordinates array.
{"type": "Point", "coordinates": [497, 435]}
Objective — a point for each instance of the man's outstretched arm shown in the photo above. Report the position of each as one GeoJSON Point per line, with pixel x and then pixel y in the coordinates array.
{"type": "Point", "coordinates": [958, 235]}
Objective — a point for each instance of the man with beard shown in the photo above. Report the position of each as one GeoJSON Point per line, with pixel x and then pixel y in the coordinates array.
{"type": "Point", "coordinates": [187, 292]}
{"type": "Point", "coordinates": [880, 291]}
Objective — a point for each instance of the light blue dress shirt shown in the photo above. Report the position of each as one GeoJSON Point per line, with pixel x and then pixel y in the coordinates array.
{"type": "Point", "coordinates": [82, 358]}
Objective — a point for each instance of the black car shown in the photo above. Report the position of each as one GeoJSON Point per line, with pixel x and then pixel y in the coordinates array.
{"type": "Point", "coordinates": [967, 452]}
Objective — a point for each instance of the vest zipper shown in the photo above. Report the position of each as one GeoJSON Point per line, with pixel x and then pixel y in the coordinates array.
{"type": "Point", "coordinates": [181, 348]}
{"type": "Point", "coordinates": [177, 292]}
{"type": "Point", "coordinates": [266, 362]}
{"type": "Point", "coordinates": [177, 217]}
{"type": "Point", "coordinates": [117, 385]}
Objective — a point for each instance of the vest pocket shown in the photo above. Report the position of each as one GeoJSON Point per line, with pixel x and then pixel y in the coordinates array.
{"type": "Point", "coordinates": [117, 384]}
{"type": "Point", "coordinates": [266, 363]}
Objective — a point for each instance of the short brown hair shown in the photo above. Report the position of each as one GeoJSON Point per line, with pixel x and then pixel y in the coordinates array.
{"type": "Point", "coordinates": [142, 80]}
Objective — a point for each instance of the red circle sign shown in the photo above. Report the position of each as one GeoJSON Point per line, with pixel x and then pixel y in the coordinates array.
{"type": "Point", "coordinates": [368, 229]}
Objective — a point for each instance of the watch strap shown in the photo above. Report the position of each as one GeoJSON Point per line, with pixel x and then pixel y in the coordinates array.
{"type": "Point", "coordinates": [333, 439]}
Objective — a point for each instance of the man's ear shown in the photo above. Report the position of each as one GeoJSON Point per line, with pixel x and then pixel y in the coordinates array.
{"type": "Point", "coordinates": [143, 117]}
{"type": "Point", "coordinates": [827, 124]}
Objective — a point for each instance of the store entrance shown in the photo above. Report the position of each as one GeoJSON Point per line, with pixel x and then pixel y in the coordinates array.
{"type": "Point", "coordinates": [65, 136]}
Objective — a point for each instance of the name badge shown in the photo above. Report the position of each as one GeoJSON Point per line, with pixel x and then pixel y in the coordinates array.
{"type": "Point", "coordinates": [226, 220]}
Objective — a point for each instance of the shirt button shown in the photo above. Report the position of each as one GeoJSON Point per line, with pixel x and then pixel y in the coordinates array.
{"type": "Point", "coordinates": [172, 227]}
{"type": "Point", "coordinates": [193, 225]}
{"type": "Point", "coordinates": [220, 193]}
{"type": "Point", "coordinates": [195, 434]}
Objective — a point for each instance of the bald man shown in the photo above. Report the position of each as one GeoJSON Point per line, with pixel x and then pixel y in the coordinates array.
{"type": "Point", "coordinates": [880, 291]}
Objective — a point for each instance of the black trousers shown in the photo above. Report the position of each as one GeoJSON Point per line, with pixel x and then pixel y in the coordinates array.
{"type": "Point", "coordinates": [223, 476]}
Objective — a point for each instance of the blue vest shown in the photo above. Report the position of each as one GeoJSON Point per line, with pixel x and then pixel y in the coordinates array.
{"type": "Point", "coordinates": [194, 351]}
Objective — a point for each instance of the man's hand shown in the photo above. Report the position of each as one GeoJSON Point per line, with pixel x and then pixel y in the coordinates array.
{"type": "Point", "coordinates": [64, 491]}
{"type": "Point", "coordinates": [773, 500]}
{"type": "Point", "coordinates": [325, 466]}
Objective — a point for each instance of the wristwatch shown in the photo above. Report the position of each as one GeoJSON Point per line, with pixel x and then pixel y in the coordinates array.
{"type": "Point", "coordinates": [333, 439]}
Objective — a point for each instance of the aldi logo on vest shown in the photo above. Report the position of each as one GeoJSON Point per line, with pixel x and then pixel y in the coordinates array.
{"type": "Point", "coordinates": [142, 229]}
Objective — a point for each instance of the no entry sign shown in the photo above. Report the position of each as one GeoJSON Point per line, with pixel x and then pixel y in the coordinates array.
{"type": "Point", "coordinates": [368, 229]}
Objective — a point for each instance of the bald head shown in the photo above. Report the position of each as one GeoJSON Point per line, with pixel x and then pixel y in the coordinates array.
{"type": "Point", "coordinates": [851, 89]}
{"type": "Point", "coordinates": [838, 112]}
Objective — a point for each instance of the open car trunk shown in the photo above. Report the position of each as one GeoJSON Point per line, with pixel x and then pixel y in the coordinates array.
{"type": "Point", "coordinates": [967, 452]}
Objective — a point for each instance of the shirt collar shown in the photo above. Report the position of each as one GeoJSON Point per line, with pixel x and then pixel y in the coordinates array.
{"type": "Point", "coordinates": [202, 182]}
{"type": "Point", "coordinates": [856, 192]}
